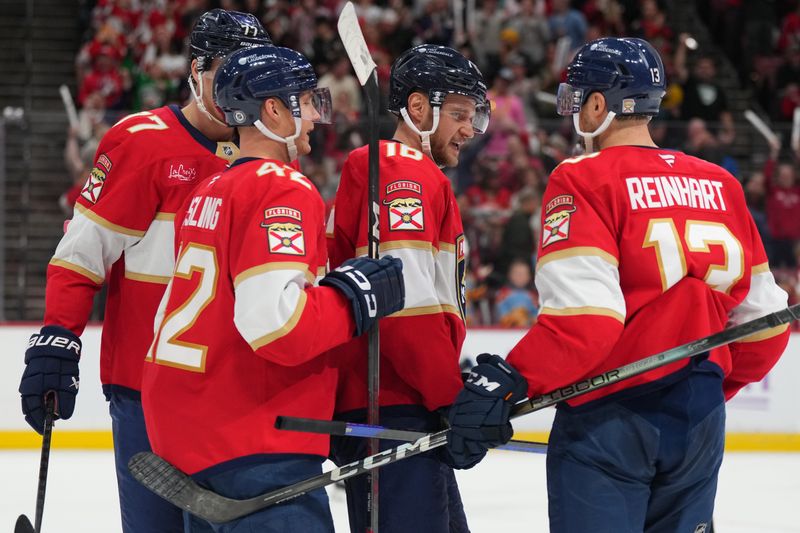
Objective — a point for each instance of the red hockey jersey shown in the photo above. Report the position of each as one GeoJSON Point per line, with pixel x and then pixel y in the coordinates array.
{"type": "Point", "coordinates": [122, 233]}
{"type": "Point", "coordinates": [241, 327]}
{"type": "Point", "coordinates": [620, 228]}
{"type": "Point", "coordinates": [419, 223]}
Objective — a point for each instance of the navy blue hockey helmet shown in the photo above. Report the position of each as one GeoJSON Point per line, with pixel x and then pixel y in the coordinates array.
{"type": "Point", "coordinates": [249, 76]}
{"type": "Point", "coordinates": [628, 72]}
{"type": "Point", "coordinates": [218, 32]}
{"type": "Point", "coordinates": [438, 71]}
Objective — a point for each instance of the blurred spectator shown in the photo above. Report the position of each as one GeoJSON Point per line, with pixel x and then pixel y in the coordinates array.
{"type": "Point", "coordinates": [485, 35]}
{"type": "Point", "coordinates": [702, 96]}
{"type": "Point", "coordinates": [783, 202]}
{"type": "Point", "coordinates": [534, 33]}
{"type": "Point", "coordinates": [755, 193]}
{"type": "Point", "coordinates": [508, 115]}
{"type": "Point", "coordinates": [104, 78]}
{"type": "Point", "coordinates": [344, 87]}
{"type": "Point", "coordinates": [515, 302]}
{"type": "Point", "coordinates": [700, 142]}
{"type": "Point", "coordinates": [518, 241]}
{"type": "Point", "coordinates": [567, 22]}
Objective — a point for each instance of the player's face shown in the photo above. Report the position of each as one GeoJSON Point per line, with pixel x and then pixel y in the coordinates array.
{"type": "Point", "coordinates": [455, 128]}
{"type": "Point", "coordinates": [207, 79]}
{"type": "Point", "coordinates": [309, 115]}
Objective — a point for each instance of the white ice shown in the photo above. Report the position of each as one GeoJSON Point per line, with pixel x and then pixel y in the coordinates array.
{"type": "Point", "coordinates": [758, 493]}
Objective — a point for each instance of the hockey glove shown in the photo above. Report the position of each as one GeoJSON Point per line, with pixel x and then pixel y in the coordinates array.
{"type": "Point", "coordinates": [479, 416]}
{"type": "Point", "coordinates": [374, 287]}
{"type": "Point", "coordinates": [51, 364]}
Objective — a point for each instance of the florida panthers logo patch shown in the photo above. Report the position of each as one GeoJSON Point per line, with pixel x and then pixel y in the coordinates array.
{"type": "Point", "coordinates": [94, 185]}
{"type": "Point", "coordinates": [556, 224]}
{"type": "Point", "coordinates": [405, 214]}
{"type": "Point", "coordinates": [285, 238]}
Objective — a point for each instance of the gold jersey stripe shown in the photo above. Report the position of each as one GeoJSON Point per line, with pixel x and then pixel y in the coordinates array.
{"type": "Point", "coordinates": [578, 251]}
{"type": "Point", "coordinates": [428, 310]}
{"type": "Point", "coordinates": [147, 278]}
{"type": "Point", "coordinates": [78, 269]}
{"type": "Point", "coordinates": [586, 310]}
{"type": "Point", "coordinates": [766, 334]}
{"type": "Point", "coordinates": [272, 267]}
{"type": "Point", "coordinates": [286, 328]}
{"type": "Point", "coordinates": [164, 216]}
{"type": "Point", "coordinates": [116, 228]}
{"type": "Point", "coordinates": [759, 269]}
{"type": "Point", "coordinates": [394, 245]}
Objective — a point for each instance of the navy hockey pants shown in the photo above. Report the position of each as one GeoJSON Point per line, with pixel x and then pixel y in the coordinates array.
{"type": "Point", "coordinates": [142, 511]}
{"type": "Point", "coordinates": [646, 463]}
{"type": "Point", "coordinates": [418, 494]}
{"type": "Point", "coordinates": [256, 475]}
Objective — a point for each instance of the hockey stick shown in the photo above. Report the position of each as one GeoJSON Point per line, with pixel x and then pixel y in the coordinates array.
{"type": "Point", "coordinates": [366, 71]}
{"type": "Point", "coordinates": [179, 489]}
{"type": "Point", "coordinates": [23, 524]}
{"type": "Point", "coordinates": [350, 429]}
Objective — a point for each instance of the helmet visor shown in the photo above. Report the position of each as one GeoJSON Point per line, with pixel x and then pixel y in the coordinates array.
{"type": "Point", "coordinates": [569, 99]}
{"type": "Point", "coordinates": [316, 105]}
{"type": "Point", "coordinates": [483, 112]}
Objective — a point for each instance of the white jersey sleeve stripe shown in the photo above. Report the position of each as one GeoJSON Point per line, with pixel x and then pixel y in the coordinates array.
{"type": "Point", "coordinates": [268, 305]}
{"type": "Point", "coordinates": [764, 297]}
{"type": "Point", "coordinates": [271, 267]}
{"type": "Point", "coordinates": [151, 259]}
{"type": "Point", "coordinates": [90, 248]}
{"type": "Point", "coordinates": [446, 279]}
{"type": "Point", "coordinates": [579, 250]}
{"type": "Point", "coordinates": [580, 284]}
{"type": "Point", "coordinates": [419, 275]}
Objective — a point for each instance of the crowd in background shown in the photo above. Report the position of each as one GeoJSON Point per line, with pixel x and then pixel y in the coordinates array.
{"type": "Point", "coordinates": [135, 57]}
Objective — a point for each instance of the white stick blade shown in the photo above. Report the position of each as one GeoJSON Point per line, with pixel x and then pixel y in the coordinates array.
{"type": "Point", "coordinates": [761, 126]}
{"type": "Point", "coordinates": [354, 43]}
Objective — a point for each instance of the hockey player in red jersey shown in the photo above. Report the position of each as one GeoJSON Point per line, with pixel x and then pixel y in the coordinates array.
{"type": "Point", "coordinates": [440, 98]}
{"type": "Point", "coordinates": [246, 321]}
{"type": "Point", "coordinates": [122, 235]}
{"type": "Point", "coordinates": [642, 249]}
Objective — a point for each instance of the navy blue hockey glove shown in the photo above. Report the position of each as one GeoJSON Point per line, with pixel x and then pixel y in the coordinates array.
{"type": "Point", "coordinates": [479, 416]}
{"type": "Point", "coordinates": [374, 287]}
{"type": "Point", "coordinates": [51, 364]}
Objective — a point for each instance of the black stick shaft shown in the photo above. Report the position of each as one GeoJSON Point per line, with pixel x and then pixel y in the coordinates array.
{"type": "Point", "coordinates": [350, 429]}
{"type": "Point", "coordinates": [373, 341]}
{"type": "Point", "coordinates": [44, 462]}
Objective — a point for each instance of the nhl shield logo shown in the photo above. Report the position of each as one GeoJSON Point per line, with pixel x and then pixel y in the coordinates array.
{"type": "Point", "coordinates": [94, 185]}
{"type": "Point", "coordinates": [286, 238]}
{"type": "Point", "coordinates": [405, 214]}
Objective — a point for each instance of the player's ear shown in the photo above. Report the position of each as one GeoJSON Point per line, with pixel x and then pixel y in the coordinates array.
{"type": "Point", "coordinates": [417, 106]}
{"type": "Point", "coordinates": [195, 72]}
{"type": "Point", "coordinates": [597, 104]}
{"type": "Point", "coordinates": [271, 113]}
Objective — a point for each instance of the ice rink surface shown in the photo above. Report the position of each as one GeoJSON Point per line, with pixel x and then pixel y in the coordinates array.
{"type": "Point", "coordinates": [758, 493]}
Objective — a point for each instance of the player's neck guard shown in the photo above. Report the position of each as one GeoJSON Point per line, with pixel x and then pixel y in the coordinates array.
{"type": "Point", "coordinates": [198, 98]}
{"type": "Point", "coordinates": [288, 141]}
{"type": "Point", "coordinates": [588, 136]}
{"type": "Point", "coordinates": [424, 136]}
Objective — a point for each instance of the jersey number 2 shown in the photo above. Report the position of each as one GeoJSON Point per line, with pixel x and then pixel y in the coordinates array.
{"type": "Point", "coordinates": [698, 236]}
{"type": "Point", "coordinates": [168, 349]}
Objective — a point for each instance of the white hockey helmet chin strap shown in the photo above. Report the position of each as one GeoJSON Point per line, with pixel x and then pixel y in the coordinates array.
{"type": "Point", "coordinates": [424, 136]}
{"type": "Point", "coordinates": [198, 98]}
{"type": "Point", "coordinates": [289, 141]}
{"type": "Point", "coordinates": [587, 137]}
